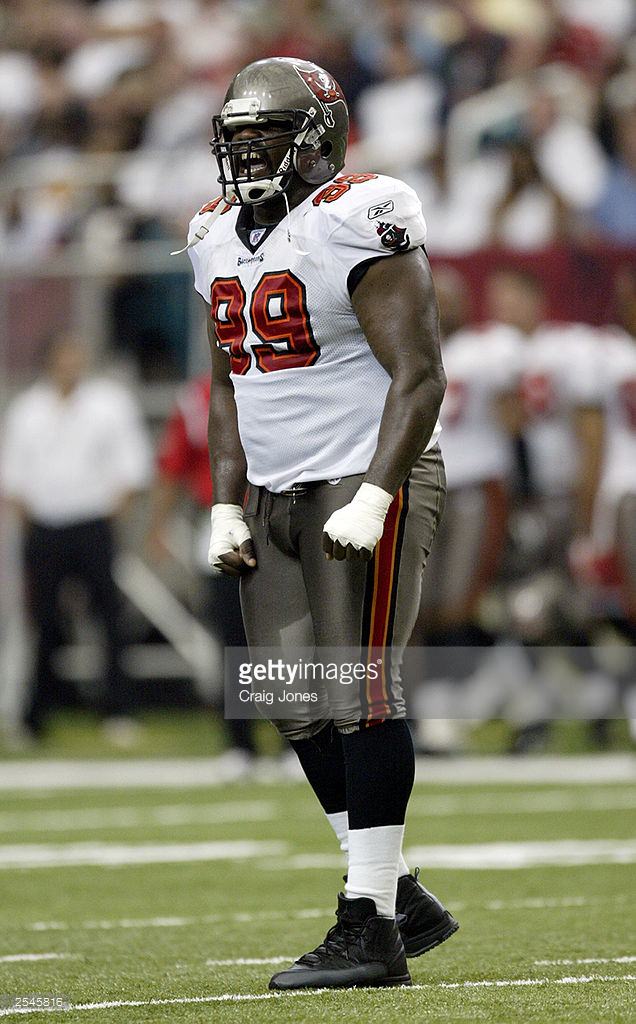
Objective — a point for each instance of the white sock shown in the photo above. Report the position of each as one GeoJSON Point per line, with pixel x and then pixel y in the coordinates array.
{"type": "Point", "coordinates": [403, 868]}
{"type": "Point", "coordinates": [339, 822]}
{"type": "Point", "coordinates": [374, 855]}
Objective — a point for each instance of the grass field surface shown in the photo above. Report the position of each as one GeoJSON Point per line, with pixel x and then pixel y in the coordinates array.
{"type": "Point", "coordinates": [177, 904]}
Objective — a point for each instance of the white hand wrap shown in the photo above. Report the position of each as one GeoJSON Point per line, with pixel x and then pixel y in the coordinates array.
{"type": "Point", "coordinates": [361, 522]}
{"type": "Point", "coordinates": [229, 531]}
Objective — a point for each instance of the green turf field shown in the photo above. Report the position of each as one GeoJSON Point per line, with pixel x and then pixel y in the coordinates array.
{"type": "Point", "coordinates": [548, 942]}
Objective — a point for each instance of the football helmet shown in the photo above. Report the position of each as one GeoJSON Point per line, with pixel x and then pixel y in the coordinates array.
{"type": "Point", "coordinates": [308, 108]}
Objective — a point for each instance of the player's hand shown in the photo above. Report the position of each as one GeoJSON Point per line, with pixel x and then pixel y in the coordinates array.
{"type": "Point", "coordinates": [353, 531]}
{"type": "Point", "coordinates": [231, 548]}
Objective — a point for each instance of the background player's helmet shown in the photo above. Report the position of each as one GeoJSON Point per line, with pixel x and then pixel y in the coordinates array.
{"type": "Point", "coordinates": [310, 108]}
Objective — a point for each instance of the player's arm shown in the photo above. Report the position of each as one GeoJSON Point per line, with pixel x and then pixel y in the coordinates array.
{"type": "Point", "coordinates": [396, 307]}
{"type": "Point", "coordinates": [231, 549]}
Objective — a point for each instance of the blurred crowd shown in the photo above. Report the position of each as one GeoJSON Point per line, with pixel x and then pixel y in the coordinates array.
{"type": "Point", "coordinates": [515, 120]}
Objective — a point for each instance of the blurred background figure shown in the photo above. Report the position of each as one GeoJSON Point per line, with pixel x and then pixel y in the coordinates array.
{"type": "Point", "coordinates": [74, 455]}
{"type": "Point", "coordinates": [183, 470]}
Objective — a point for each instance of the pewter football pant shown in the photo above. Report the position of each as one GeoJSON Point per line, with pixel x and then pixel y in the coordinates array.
{"type": "Point", "coordinates": [295, 598]}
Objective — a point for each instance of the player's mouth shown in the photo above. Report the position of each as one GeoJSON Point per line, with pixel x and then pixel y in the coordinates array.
{"type": "Point", "coordinates": [253, 164]}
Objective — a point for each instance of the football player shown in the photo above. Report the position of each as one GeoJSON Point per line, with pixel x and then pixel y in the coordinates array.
{"type": "Point", "coordinates": [612, 545]}
{"type": "Point", "coordinates": [482, 365]}
{"type": "Point", "coordinates": [558, 407]}
{"type": "Point", "coordinates": [326, 385]}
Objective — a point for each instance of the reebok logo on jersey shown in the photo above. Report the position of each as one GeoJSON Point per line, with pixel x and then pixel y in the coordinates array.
{"type": "Point", "coordinates": [380, 210]}
{"type": "Point", "coordinates": [242, 260]}
{"type": "Point", "coordinates": [256, 234]}
{"type": "Point", "coordinates": [393, 237]}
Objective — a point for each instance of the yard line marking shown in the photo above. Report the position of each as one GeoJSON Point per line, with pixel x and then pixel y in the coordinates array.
{"type": "Point", "coordinates": [515, 855]}
{"type": "Point", "coordinates": [133, 817]}
{"type": "Point", "coordinates": [551, 802]}
{"type": "Point", "coordinates": [181, 773]}
{"type": "Point", "coordinates": [250, 961]}
{"type": "Point", "coordinates": [238, 997]}
{"type": "Point", "coordinates": [485, 856]}
{"type": "Point", "coordinates": [181, 922]}
{"type": "Point", "coordinates": [15, 958]}
{"type": "Point", "coordinates": [587, 960]}
{"type": "Point", "coordinates": [532, 903]}
{"type": "Point", "coordinates": [44, 855]}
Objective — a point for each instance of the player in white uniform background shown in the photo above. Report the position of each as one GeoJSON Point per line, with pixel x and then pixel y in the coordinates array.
{"type": "Point", "coordinates": [557, 408]}
{"type": "Point", "coordinates": [326, 385]}
{"type": "Point", "coordinates": [610, 553]}
{"type": "Point", "coordinates": [483, 365]}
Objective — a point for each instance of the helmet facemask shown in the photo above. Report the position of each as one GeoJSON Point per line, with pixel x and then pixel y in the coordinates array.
{"type": "Point", "coordinates": [251, 170]}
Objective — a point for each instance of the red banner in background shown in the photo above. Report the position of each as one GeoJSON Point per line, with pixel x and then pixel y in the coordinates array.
{"type": "Point", "coordinates": [579, 282]}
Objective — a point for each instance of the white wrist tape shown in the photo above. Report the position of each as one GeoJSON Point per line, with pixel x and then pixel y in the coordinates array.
{"type": "Point", "coordinates": [361, 522]}
{"type": "Point", "coordinates": [229, 531]}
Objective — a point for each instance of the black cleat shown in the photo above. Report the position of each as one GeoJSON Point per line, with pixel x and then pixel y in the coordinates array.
{"type": "Point", "coordinates": [361, 950]}
{"type": "Point", "coordinates": [422, 919]}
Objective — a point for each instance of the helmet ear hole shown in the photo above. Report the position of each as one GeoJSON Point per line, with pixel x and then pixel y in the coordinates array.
{"type": "Point", "coordinates": [326, 149]}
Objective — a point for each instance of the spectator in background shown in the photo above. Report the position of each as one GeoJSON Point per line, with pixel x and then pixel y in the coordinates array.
{"type": "Point", "coordinates": [183, 466]}
{"type": "Point", "coordinates": [74, 455]}
{"type": "Point", "coordinates": [614, 215]}
{"type": "Point", "coordinates": [530, 214]}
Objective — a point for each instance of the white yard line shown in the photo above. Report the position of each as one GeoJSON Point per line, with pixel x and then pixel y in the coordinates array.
{"type": "Point", "coordinates": [515, 855]}
{"type": "Point", "coordinates": [18, 958]}
{"type": "Point", "coordinates": [531, 903]}
{"type": "Point", "coordinates": [181, 773]}
{"type": "Point", "coordinates": [45, 855]}
{"type": "Point", "coordinates": [484, 856]}
{"type": "Point", "coordinates": [251, 961]}
{"type": "Point", "coordinates": [181, 922]}
{"type": "Point", "coordinates": [586, 961]}
{"type": "Point", "coordinates": [163, 815]}
{"type": "Point", "coordinates": [237, 997]}
{"type": "Point", "coordinates": [548, 802]}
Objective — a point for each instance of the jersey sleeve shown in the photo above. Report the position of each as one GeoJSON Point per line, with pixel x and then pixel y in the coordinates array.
{"type": "Point", "coordinates": [586, 383]}
{"type": "Point", "coordinates": [374, 223]}
{"type": "Point", "coordinates": [197, 254]}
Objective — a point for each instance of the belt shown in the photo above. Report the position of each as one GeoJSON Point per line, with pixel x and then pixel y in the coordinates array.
{"type": "Point", "coordinates": [297, 490]}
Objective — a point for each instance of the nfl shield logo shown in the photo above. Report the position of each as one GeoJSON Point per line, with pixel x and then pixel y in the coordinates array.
{"type": "Point", "coordinates": [256, 235]}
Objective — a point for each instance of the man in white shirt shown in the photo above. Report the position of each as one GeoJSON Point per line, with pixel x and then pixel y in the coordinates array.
{"type": "Point", "coordinates": [74, 452]}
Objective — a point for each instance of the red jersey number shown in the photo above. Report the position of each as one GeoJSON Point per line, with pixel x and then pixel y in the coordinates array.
{"type": "Point", "coordinates": [454, 402]}
{"type": "Point", "coordinates": [279, 316]}
{"type": "Point", "coordinates": [227, 302]}
{"type": "Point", "coordinates": [537, 395]}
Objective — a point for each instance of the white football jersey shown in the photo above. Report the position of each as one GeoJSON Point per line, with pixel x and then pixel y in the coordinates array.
{"type": "Point", "coordinates": [481, 363]}
{"type": "Point", "coordinates": [617, 390]}
{"type": "Point", "coordinates": [309, 392]}
{"type": "Point", "coordinates": [559, 373]}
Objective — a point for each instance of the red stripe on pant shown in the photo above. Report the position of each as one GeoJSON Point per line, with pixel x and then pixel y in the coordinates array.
{"type": "Point", "coordinates": [385, 578]}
